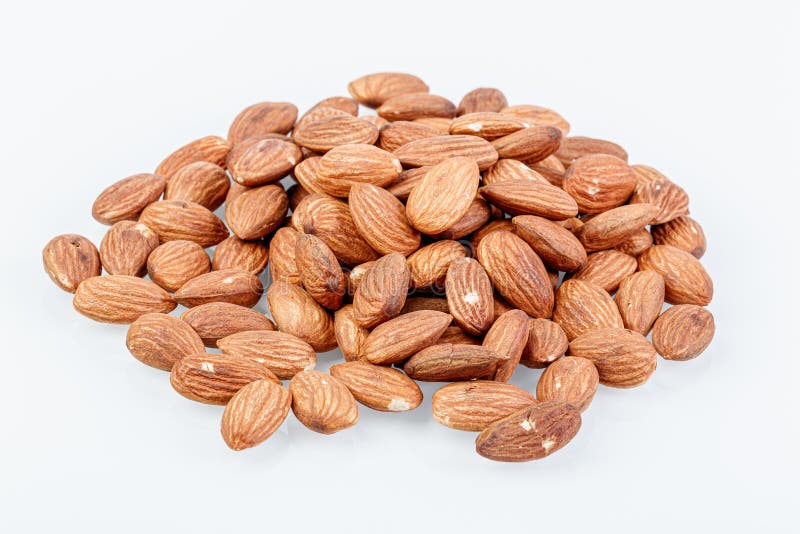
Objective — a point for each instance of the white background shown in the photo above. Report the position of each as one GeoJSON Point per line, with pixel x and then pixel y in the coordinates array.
{"type": "Point", "coordinates": [93, 441]}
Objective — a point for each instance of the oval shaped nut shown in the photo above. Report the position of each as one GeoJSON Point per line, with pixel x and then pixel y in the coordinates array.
{"type": "Point", "coordinates": [201, 182]}
{"type": "Point", "coordinates": [381, 219]}
{"type": "Point", "coordinates": [382, 292]}
{"type": "Point", "coordinates": [451, 363]}
{"type": "Point", "coordinates": [508, 337]}
{"type": "Point", "coordinates": [529, 145]}
{"type": "Point", "coordinates": [176, 262]}
{"type": "Point", "coordinates": [482, 99]}
{"type": "Point", "coordinates": [474, 405]}
{"type": "Point", "coordinates": [477, 215]}
{"type": "Point", "coordinates": [320, 272]}
{"type": "Point", "coordinates": [443, 196]}
{"type": "Point", "coordinates": [611, 228]}
{"type": "Point", "coordinates": [410, 106]}
{"type": "Point", "coordinates": [582, 306]}
{"type": "Point", "coordinates": [636, 243]}
{"type": "Point", "coordinates": [160, 340]}
{"type": "Point", "coordinates": [470, 296]}
{"type": "Point", "coordinates": [506, 170]}
{"type": "Point", "coordinates": [211, 148]}
{"type": "Point", "coordinates": [685, 278]}
{"type": "Point", "coordinates": [284, 354]}
{"type": "Point", "coordinates": [599, 182]}
{"type": "Point", "coordinates": [401, 337]}
{"type": "Point", "coordinates": [254, 413]}
{"type": "Point", "coordinates": [265, 161]}
{"type": "Point", "coordinates": [215, 378]}
{"type": "Point", "coordinates": [126, 247]}
{"type": "Point", "coordinates": [428, 265]}
{"type": "Point", "coordinates": [530, 434]}
{"type": "Point", "coordinates": [607, 269]}
{"type": "Point", "coordinates": [347, 165]}
{"type": "Point", "coordinates": [177, 219]}
{"type": "Point", "coordinates": [575, 147]}
{"type": "Point", "coordinates": [407, 181]}
{"type": "Point", "coordinates": [547, 342]}
{"type": "Point", "coordinates": [125, 199]}
{"type": "Point", "coordinates": [572, 380]}
{"type": "Point", "coordinates": [231, 285]}
{"type": "Point", "coordinates": [373, 90]}
{"type": "Point", "coordinates": [538, 115]}
{"type": "Point", "coordinates": [396, 134]}
{"type": "Point", "coordinates": [434, 150]}
{"type": "Point", "coordinates": [69, 259]}
{"type": "Point", "coordinates": [684, 233]}
{"type": "Point", "coordinates": [380, 388]}
{"type": "Point", "coordinates": [216, 320]}
{"type": "Point", "coordinates": [683, 332]}
{"type": "Point", "coordinates": [456, 336]}
{"type": "Point", "coordinates": [257, 212]}
{"type": "Point", "coordinates": [341, 103]}
{"type": "Point", "coordinates": [517, 273]}
{"type": "Point", "coordinates": [120, 299]}
{"type": "Point", "coordinates": [491, 226]}
{"type": "Point", "coordinates": [235, 253]}
{"type": "Point", "coordinates": [640, 298]}
{"type": "Point", "coordinates": [623, 358]}
{"type": "Point", "coordinates": [262, 118]}
{"type": "Point", "coordinates": [526, 197]}
{"type": "Point", "coordinates": [322, 403]}
{"type": "Point", "coordinates": [556, 246]}
{"type": "Point", "coordinates": [305, 173]}
{"type": "Point", "coordinates": [350, 336]}
{"type": "Point", "coordinates": [330, 132]}
{"type": "Point", "coordinates": [282, 264]}
{"type": "Point", "coordinates": [670, 198]}
{"type": "Point", "coordinates": [296, 313]}
{"type": "Point", "coordinates": [317, 114]}
{"type": "Point", "coordinates": [234, 191]}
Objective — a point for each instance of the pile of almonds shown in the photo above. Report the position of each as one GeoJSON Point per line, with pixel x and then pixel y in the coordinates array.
{"type": "Point", "coordinates": [429, 242]}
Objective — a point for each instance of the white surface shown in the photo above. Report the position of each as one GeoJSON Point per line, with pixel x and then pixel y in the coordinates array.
{"type": "Point", "coordinates": [93, 441]}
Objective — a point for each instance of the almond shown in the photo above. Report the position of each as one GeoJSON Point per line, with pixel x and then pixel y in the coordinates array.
{"type": "Point", "coordinates": [231, 285]}
{"type": "Point", "coordinates": [476, 216]}
{"type": "Point", "coordinates": [257, 212]}
{"type": "Point", "coordinates": [401, 337]}
{"type": "Point", "coordinates": [487, 125]}
{"type": "Point", "coordinates": [469, 296]}
{"type": "Point", "coordinates": [491, 226]}
{"type": "Point", "coordinates": [506, 170]}
{"type": "Point", "coordinates": [428, 266]}
{"type": "Point", "coordinates": [582, 306]}
{"type": "Point", "coordinates": [347, 165]}
{"type": "Point", "coordinates": [322, 403]}
{"type": "Point", "coordinates": [356, 275]}
{"type": "Point", "coordinates": [612, 227]}
{"type": "Point", "coordinates": [482, 99]}
{"type": "Point", "coordinates": [305, 173]}
{"type": "Point", "coordinates": [126, 247]}
{"type": "Point", "coordinates": [262, 118]}
{"type": "Point", "coordinates": [342, 103]}
{"type": "Point", "coordinates": [201, 182]}
{"type": "Point", "coordinates": [254, 413]}
{"type": "Point", "coordinates": [685, 278]}
{"type": "Point", "coordinates": [176, 262]}
{"type": "Point", "coordinates": [683, 332]}
{"type": "Point", "coordinates": [546, 343]}
{"type": "Point", "coordinates": [640, 298]}
{"type": "Point", "coordinates": [684, 233]}
{"type": "Point", "coordinates": [381, 220]}
{"type": "Point", "coordinates": [529, 145]}
{"type": "Point", "coordinates": [442, 124]}
{"type": "Point", "coordinates": [599, 182]}
{"type": "Point", "coordinates": [235, 253]}
{"type": "Point", "coordinates": [572, 380]}
{"type": "Point", "coordinates": [407, 180]}
{"type": "Point", "coordinates": [375, 89]}
{"type": "Point", "coordinates": [379, 388]}
{"type": "Point", "coordinates": [70, 259]}
{"type": "Point", "coordinates": [282, 265]}
{"type": "Point", "coordinates": [410, 106]}
{"type": "Point", "coordinates": [433, 150]}
{"type": "Point", "coordinates": [211, 148]}
{"type": "Point", "coordinates": [160, 340]}
{"type": "Point", "coordinates": [397, 134]}
{"type": "Point", "coordinates": [350, 336]}
{"type": "Point", "coordinates": [475, 405]}
{"type": "Point", "coordinates": [125, 200]}
{"type": "Point", "coordinates": [454, 335]}
{"type": "Point", "coordinates": [508, 337]}
{"type": "Point", "coordinates": [265, 161]}
{"type": "Point", "coordinates": [623, 358]}
{"type": "Point", "coordinates": [607, 269]}
{"type": "Point", "coordinates": [556, 246]}
{"type": "Point", "coordinates": [320, 272]}
{"type": "Point", "coordinates": [572, 148]}
{"type": "Point", "coordinates": [178, 219]}
{"type": "Point", "coordinates": [538, 115]}
{"type": "Point", "coordinates": [318, 113]}
{"type": "Point", "coordinates": [215, 378]}
{"type": "Point", "coordinates": [284, 354]}
{"type": "Point", "coordinates": [296, 313]}
{"type": "Point", "coordinates": [636, 243]}
{"type": "Point", "coordinates": [382, 292]}
{"type": "Point", "coordinates": [216, 320]}
{"type": "Point", "coordinates": [425, 303]}
{"type": "Point", "coordinates": [671, 199]}
{"type": "Point", "coordinates": [450, 363]}
{"type": "Point", "coordinates": [331, 132]}
{"type": "Point", "coordinates": [526, 197]}
{"type": "Point", "coordinates": [120, 299]}
{"type": "Point", "coordinates": [379, 122]}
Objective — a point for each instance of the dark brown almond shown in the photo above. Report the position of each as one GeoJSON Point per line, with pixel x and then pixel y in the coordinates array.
{"type": "Point", "coordinates": [474, 405]}
{"type": "Point", "coordinates": [556, 246]}
{"type": "Point", "coordinates": [216, 320]}
{"type": "Point", "coordinates": [547, 342]}
{"type": "Point", "coordinates": [684, 233]}
{"type": "Point", "coordinates": [443, 196]}
{"type": "Point", "coordinates": [373, 90]}
{"type": "Point", "coordinates": [433, 150]}
{"type": "Point", "coordinates": [284, 354]}
{"type": "Point", "coordinates": [469, 296]}
{"type": "Point", "coordinates": [230, 285]}
{"type": "Point", "coordinates": [296, 313]}
{"type": "Point", "coordinates": [257, 212]}
{"type": "Point", "coordinates": [201, 182]}
{"type": "Point", "coordinates": [403, 336]}
{"type": "Point", "coordinates": [529, 145]}
{"type": "Point", "coordinates": [120, 299]}
{"type": "Point", "coordinates": [215, 378]}
{"type": "Point", "coordinates": [526, 197]}
{"type": "Point", "coordinates": [582, 306]}
{"type": "Point", "coordinates": [425, 303]}
{"type": "Point", "coordinates": [508, 337]}
{"type": "Point", "coordinates": [640, 298]}
{"type": "Point", "coordinates": [685, 278]}
{"type": "Point", "coordinates": [482, 99]}
{"type": "Point", "coordinates": [262, 118]}
{"type": "Point", "coordinates": [125, 200]}
{"type": "Point", "coordinates": [382, 292]}
{"type": "Point", "coordinates": [683, 332]}
{"type": "Point", "coordinates": [572, 380]}
{"type": "Point", "coordinates": [159, 340]}
{"type": "Point", "coordinates": [235, 253]}
{"type": "Point", "coordinates": [320, 272]}
{"type": "Point", "coordinates": [607, 269]}
{"type": "Point", "coordinates": [177, 219]}
{"type": "Point", "coordinates": [380, 388]}
{"type": "Point", "coordinates": [451, 363]}
{"type": "Point", "coordinates": [211, 148]}
{"type": "Point", "coordinates": [70, 259]}
{"type": "Point", "coordinates": [623, 358]}
{"type": "Point", "coordinates": [126, 247]}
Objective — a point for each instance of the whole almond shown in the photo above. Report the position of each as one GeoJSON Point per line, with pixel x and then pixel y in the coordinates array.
{"type": "Point", "coordinates": [331, 132]}
{"type": "Point", "coordinates": [216, 320]}
{"type": "Point", "coordinates": [320, 272]}
{"type": "Point", "coordinates": [265, 161]}
{"type": "Point", "coordinates": [623, 358]}
{"type": "Point", "coordinates": [375, 89]}
{"type": "Point", "coordinates": [322, 403]}
{"type": "Point", "coordinates": [684, 233]}
{"type": "Point", "coordinates": [397, 134]}
{"type": "Point", "coordinates": [234, 191]}
{"type": "Point", "coordinates": [262, 118]}
{"type": "Point", "coordinates": [529, 145]}
{"type": "Point", "coordinates": [254, 413]}
{"type": "Point", "coordinates": [538, 115]}
{"type": "Point", "coordinates": [508, 337]}
{"type": "Point", "coordinates": [425, 303]}
{"type": "Point", "coordinates": [410, 106]}
{"type": "Point", "coordinates": [612, 227]}
{"type": "Point", "coordinates": [640, 298]}
{"type": "Point", "coordinates": [685, 278]}
{"type": "Point", "coordinates": [176, 262]}
{"type": "Point", "coordinates": [347, 165]}
{"type": "Point", "coordinates": [231, 285]}
{"type": "Point", "coordinates": [469, 296]}
{"type": "Point", "coordinates": [547, 342]}
{"type": "Point", "coordinates": [527, 197]}
{"type": "Point", "coordinates": [670, 198]}
{"type": "Point", "coordinates": [582, 306]}
{"type": "Point", "coordinates": [201, 182]}
{"type": "Point", "coordinates": [636, 243]}
{"type": "Point", "coordinates": [556, 246]}
{"type": "Point", "coordinates": [607, 269]}
{"type": "Point", "coordinates": [282, 265]}
{"type": "Point", "coordinates": [350, 336]}
{"type": "Point", "coordinates": [572, 380]}
{"type": "Point", "coordinates": [211, 148]}
{"type": "Point", "coordinates": [403, 336]}
{"type": "Point", "coordinates": [482, 99]}
{"type": "Point", "coordinates": [339, 103]}
{"type": "Point", "coordinates": [178, 219]}
{"type": "Point", "coordinates": [381, 219]}
{"type": "Point", "coordinates": [380, 388]}
{"type": "Point", "coordinates": [160, 340]}
{"type": "Point", "coordinates": [575, 147]}
{"type": "Point", "coordinates": [235, 253]}
{"type": "Point", "coordinates": [450, 363]}
{"type": "Point", "coordinates": [428, 266]}
{"type": "Point", "coordinates": [305, 173]}
{"type": "Point", "coordinates": [296, 313]}
{"type": "Point", "coordinates": [443, 196]}
{"type": "Point", "coordinates": [382, 292]}
{"type": "Point", "coordinates": [402, 186]}
{"type": "Point", "coordinates": [476, 216]}
{"type": "Point", "coordinates": [473, 406]}
{"type": "Point", "coordinates": [126, 247]}
{"type": "Point", "coordinates": [683, 332]}
{"type": "Point", "coordinates": [284, 354]}
{"type": "Point", "coordinates": [70, 259]}
{"type": "Point", "coordinates": [506, 170]}
{"type": "Point", "coordinates": [433, 150]}
{"type": "Point", "coordinates": [599, 182]}
{"type": "Point", "coordinates": [215, 378]}
{"type": "Point", "coordinates": [120, 299]}
{"type": "Point", "coordinates": [487, 125]}
{"type": "Point", "coordinates": [125, 199]}
{"type": "Point", "coordinates": [257, 212]}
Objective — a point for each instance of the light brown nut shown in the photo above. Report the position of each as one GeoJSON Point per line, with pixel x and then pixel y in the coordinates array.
{"type": "Point", "coordinates": [556, 246]}
{"type": "Point", "coordinates": [350, 335]}
{"type": "Point", "coordinates": [529, 145]}
{"type": "Point", "coordinates": [382, 292]}
{"type": "Point", "coordinates": [425, 303]}
{"type": "Point", "coordinates": [623, 358]}
{"type": "Point", "coordinates": [347, 165]}
{"type": "Point", "coordinates": [215, 378]}
{"type": "Point", "coordinates": [342, 103]}
{"type": "Point", "coordinates": [572, 380]}
{"type": "Point", "coordinates": [330, 132]}
{"type": "Point", "coordinates": [582, 306]}
{"type": "Point", "coordinates": [433, 150]}
{"type": "Point", "coordinates": [607, 269]}
{"type": "Point", "coordinates": [599, 182]}
{"type": "Point", "coordinates": [440, 123]}
{"type": "Point", "coordinates": [305, 173]}
{"type": "Point", "coordinates": [201, 182]}
{"type": "Point", "coordinates": [296, 194]}
{"type": "Point", "coordinates": [296, 313]}
{"type": "Point", "coordinates": [407, 180]}
{"type": "Point", "coordinates": [379, 122]}
{"type": "Point", "coordinates": [396, 134]}
{"type": "Point", "coordinates": [160, 340]}
{"type": "Point", "coordinates": [230, 285]}
{"type": "Point", "coordinates": [684, 233]}
{"type": "Point", "coordinates": [683, 332]}
{"type": "Point", "coordinates": [491, 226]}
{"type": "Point", "coordinates": [671, 199]}
{"type": "Point", "coordinates": [322, 403]}
{"type": "Point", "coordinates": [428, 266]}
{"type": "Point", "coordinates": [476, 216]}
{"type": "Point", "coordinates": [403, 336]}
{"type": "Point", "coordinates": [528, 197]}
{"type": "Point", "coordinates": [356, 275]}
{"type": "Point", "coordinates": [547, 342]}
{"type": "Point", "coordinates": [575, 147]}
{"type": "Point", "coordinates": [508, 337]}
{"type": "Point", "coordinates": [254, 413]}
{"type": "Point", "coordinates": [234, 191]}
{"type": "Point", "coordinates": [469, 296]}
{"type": "Point", "coordinates": [211, 148]}
{"type": "Point", "coordinates": [517, 273]}
{"type": "Point", "coordinates": [443, 196]}
{"type": "Point", "coordinates": [613, 227]}
{"type": "Point", "coordinates": [640, 298]}
{"type": "Point", "coordinates": [455, 336]}
{"type": "Point", "coordinates": [216, 320]}
{"type": "Point", "coordinates": [487, 125]}
{"type": "Point", "coordinates": [380, 388]}
{"type": "Point", "coordinates": [120, 299]}
{"type": "Point", "coordinates": [474, 405]}
{"type": "Point", "coordinates": [506, 170]}
{"type": "Point", "coordinates": [257, 212]}
{"type": "Point", "coordinates": [538, 115]}
{"type": "Point", "coordinates": [373, 90]}
{"type": "Point", "coordinates": [320, 272]}
{"type": "Point", "coordinates": [450, 363]}
{"type": "Point", "coordinates": [685, 278]}
{"type": "Point", "coordinates": [636, 243]}
{"type": "Point", "coordinates": [177, 219]}
{"type": "Point", "coordinates": [381, 219]}
{"type": "Point", "coordinates": [482, 99]}
{"type": "Point", "coordinates": [531, 433]}
{"type": "Point", "coordinates": [282, 353]}
{"type": "Point", "coordinates": [318, 113]}
{"type": "Point", "coordinates": [235, 253]}
{"type": "Point", "coordinates": [176, 262]}
{"type": "Point", "coordinates": [126, 247]}
{"type": "Point", "coordinates": [264, 161]}
{"type": "Point", "coordinates": [282, 265]}
{"type": "Point", "coordinates": [262, 118]}
{"type": "Point", "coordinates": [69, 259]}
{"type": "Point", "coordinates": [125, 199]}
{"type": "Point", "coordinates": [410, 106]}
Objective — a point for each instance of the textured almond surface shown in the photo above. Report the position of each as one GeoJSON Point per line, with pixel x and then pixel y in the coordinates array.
{"type": "Point", "coordinates": [125, 199]}
{"type": "Point", "coordinates": [488, 125]}
{"type": "Point", "coordinates": [322, 403]}
{"type": "Point", "coordinates": [670, 198]}
{"type": "Point", "coordinates": [612, 227]}
{"type": "Point", "coordinates": [683, 332]}
{"type": "Point", "coordinates": [475, 405]}
{"type": "Point", "coordinates": [623, 358]}
{"type": "Point", "coordinates": [685, 278]}
{"type": "Point", "coordinates": [640, 298]}
{"type": "Point", "coordinates": [582, 306]}
{"type": "Point", "coordinates": [282, 264]}
{"type": "Point", "coordinates": [382, 292]}
{"type": "Point", "coordinates": [284, 354]}
{"type": "Point", "coordinates": [375, 89]}
{"type": "Point", "coordinates": [572, 148]}
{"type": "Point", "coordinates": [235, 253]}
{"type": "Point", "coordinates": [511, 169]}
{"type": "Point", "coordinates": [449, 363]}
{"type": "Point", "coordinates": [320, 272]}
{"type": "Point", "coordinates": [330, 132]}
{"type": "Point", "coordinates": [508, 337]}
{"type": "Point", "coordinates": [347, 165]}
{"type": "Point", "coordinates": [215, 378]}
{"type": "Point", "coordinates": [469, 296]}
{"type": "Point", "coordinates": [176, 262]}
{"type": "Point", "coordinates": [482, 99]}
{"type": "Point", "coordinates": [410, 106]}
{"type": "Point", "coordinates": [231, 285]}
{"type": "Point", "coordinates": [120, 298]}
{"type": "Point", "coordinates": [70, 259]}
{"type": "Point", "coordinates": [262, 118]}
{"type": "Point", "coordinates": [607, 269]}
{"type": "Point", "coordinates": [126, 247]}
{"type": "Point", "coordinates": [538, 115]}
{"type": "Point", "coordinates": [529, 145]}
{"type": "Point", "coordinates": [217, 320]}
{"type": "Point", "coordinates": [296, 313]}
{"type": "Point", "coordinates": [528, 197]}
{"type": "Point", "coordinates": [265, 161]}
{"type": "Point", "coordinates": [211, 148]}
{"type": "Point", "coordinates": [178, 219]}
{"type": "Point", "coordinates": [401, 337]}
{"type": "Point", "coordinates": [443, 196]}
{"type": "Point", "coordinates": [380, 388]}
{"type": "Point", "coordinates": [257, 212]}
{"type": "Point", "coordinates": [572, 380]}
{"type": "Point", "coordinates": [254, 413]}
{"type": "Point", "coordinates": [556, 246]}
{"type": "Point", "coordinates": [201, 182]}
{"type": "Point", "coordinates": [599, 182]}
{"type": "Point", "coordinates": [433, 150]}
{"type": "Point", "coordinates": [160, 340]}
{"type": "Point", "coordinates": [350, 336]}
{"type": "Point", "coordinates": [428, 266]}
{"type": "Point", "coordinates": [381, 219]}
{"type": "Point", "coordinates": [682, 232]}
{"type": "Point", "coordinates": [547, 342]}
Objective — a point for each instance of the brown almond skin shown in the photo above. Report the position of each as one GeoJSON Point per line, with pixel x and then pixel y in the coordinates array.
{"type": "Point", "coordinates": [671, 199]}
{"type": "Point", "coordinates": [296, 194]}
{"type": "Point", "coordinates": [282, 264]}
{"type": "Point", "coordinates": [612, 227]}
{"type": "Point", "coordinates": [231, 285]}
{"type": "Point", "coordinates": [599, 182]}
{"type": "Point", "coordinates": [470, 296]}
{"type": "Point", "coordinates": [428, 266]}
{"type": "Point", "coordinates": [572, 380]}
{"type": "Point", "coordinates": [284, 354]}
{"type": "Point", "coordinates": [330, 132]}
{"type": "Point", "coordinates": [410, 106]}
{"type": "Point", "coordinates": [296, 313]}
{"type": "Point", "coordinates": [69, 259]}
{"type": "Point", "coordinates": [683, 332]}
{"type": "Point", "coordinates": [215, 378]}
{"type": "Point", "coordinates": [373, 90]}
{"type": "Point", "coordinates": [235, 253]}
{"type": "Point", "coordinates": [474, 405]}
{"type": "Point", "coordinates": [538, 115]}
{"type": "Point", "coordinates": [126, 247]}
{"type": "Point", "coordinates": [443, 196]}
{"type": "Point", "coordinates": [425, 303]}
{"type": "Point", "coordinates": [636, 243]}
{"type": "Point", "coordinates": [434, 150]}
{"type": "Point", "coordinates": [176, 262]}
{"type": "Point", "coordinates": [528, 197]}
{"type": "Point", "coordinates": [397, 134]}
{"type": "Point", "coordinates": [322, 403]}
{"type": "Point", "coordinates": [305, 173]}
{"type": "Point", "coordinates": [265, 161]}
{"type": "Point", "coordinates": [120, 299]}
{"type": "Point", "coordinates": [488, 125]}
{"type": "Point", "coordinates": [529, 434]}
{"type": "Point", "coordinates": [201, 182]}
{"type": "Point", "coordinates": [454, 335]}
{"type": "Point", "coordinates": [340, 103]}
{"type": "Point", "coordinates": [407, 180]}
{"type": "Point", "coordinates": [572, 148]}
{"type": "Point", "coordinates": [401, 337]}
{"type": "Point", "coordinates": [262, 118]}
{"type": "Point", "coordinates": [211, 148]}
{"type": "Point", "coordinates": [178, 219]}
{"type": "Point", "coordinates": [508, 337]}
{"type": "Point", "coordinates": [381, 219]}
{"type": "Point", "coordinates": [685, 279]}
{"type": "Point", "coordinates": [582, 306]}
{"type": "Point", "coordinates": [382, 292]}
{"type": "Point", "coordinates": [482, 99]}
{"type": "Point", "coordinates": [529, 145]}
{"type": "Point", "coordinates": [254, 413]}
{"type": "Point", "coordinates": [640, 298]}
{"type": "Point", "coordinates": [257, 212]}
{"type": "Point", "coordinates": [556, 246]}
{"type": "Point", "coordinates": [356, 275]}
{"type": "Point", "coordinates": [547, 342]}
{"type": "Point", "coordinates": [623, 358]}
{"type": "Point", "coordinates": [684, 233]}
{"type": "Point", "coordinates": [451, 363]}
{"type": "Point", "coordinates": [506, 170]}
{"type": "Point", "coordinates": [125, 199]}
{"type": "Point", "coordinates": [347, 165]}
{"type": "Point", "coordinates": [320, 272]}
{"type": "Point", "coordinates": [159, 340]}
{"type": "Point", "coordinates": [491, 226]}
{"type": "Point", "coordinates": [216, 320]}
{"type": "Point", "coordinates": [476, 216]}
{"type": "Point", "coordinates": [380, 388]}
{"type": "Point", "coordinates": [607, 269]}
{"type": "Point", "coordinates": [517, 273]}
{"type": "Point", "coordinates": [350, 336]}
